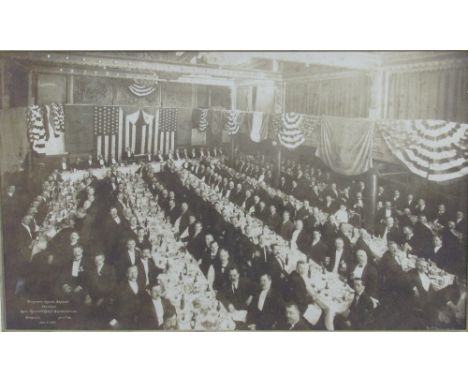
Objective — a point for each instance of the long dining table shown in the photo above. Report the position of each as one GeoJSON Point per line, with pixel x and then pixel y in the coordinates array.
{"type": "Point", "coordinates": [378, 246]}
{"type": "Point", "coordinates": [330, 292]}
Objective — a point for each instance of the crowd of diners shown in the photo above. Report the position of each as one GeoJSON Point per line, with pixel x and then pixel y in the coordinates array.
{"type": "Point", "coordinates": [101, 262]}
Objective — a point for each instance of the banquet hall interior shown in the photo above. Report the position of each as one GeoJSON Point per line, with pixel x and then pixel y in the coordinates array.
{"type": "Point", "coordinates": [218, 191]}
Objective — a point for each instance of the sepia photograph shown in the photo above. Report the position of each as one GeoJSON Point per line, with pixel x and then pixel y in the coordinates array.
{"type": "Point", "coordinates": [234, 190]}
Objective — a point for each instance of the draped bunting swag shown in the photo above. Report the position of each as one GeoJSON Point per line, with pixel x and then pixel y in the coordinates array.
{"type": "Point", "coordinates": [436, 150]}
{"type": "Point", "coordinates": [36, 128]}
{"type": "Point", "coordinates": [231, 122]}
{"type": "Point", "coordinates": [433, 149]}
{"type": "Point", "coordinates": [141, 90]}
{"type": "Point", "coordinates": [290, 130]}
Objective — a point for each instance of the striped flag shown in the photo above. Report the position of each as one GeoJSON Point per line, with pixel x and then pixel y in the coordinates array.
{"type": "Point", "coordinates": [108, 131]}
{"type": "Point", "coordinates": [435, 150]}
{"type": "Point", "coordinates": [167, 130]}
{"type": "Point", "coordinates": [140, 133]}
{"type": "Point", "coordinates": [259, 127]}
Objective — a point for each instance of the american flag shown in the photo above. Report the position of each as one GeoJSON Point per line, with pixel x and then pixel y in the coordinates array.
{"type": "Point", "coordinates": [167, 130]}
{"type": "Point", "coordinates": [140, 132]}
{"type": "Point", "coordinates": [108, 131]}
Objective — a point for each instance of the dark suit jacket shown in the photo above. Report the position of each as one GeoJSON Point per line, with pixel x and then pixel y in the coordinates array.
{"type": "Point", "coordinates": [360, 311]}
{"type": "Point", "coordinates": [101, 285]}
{"type": "Point", "coordinates": [124, 261]}
{"type": "Point", "coordinates": [346, 257]}
{"type": "Point", "coordinates": [184, 221]}
{"type": "Point", "coordinates": [173, 214]}
{"type": "Point", "coordinates": [297, 291]}
{"type": "Point", "coordinates": [303, 241]}
{"type": "Point", "coordinates": [318, 251]}
{"type": "Point", "coordinates": [270, 314]}
{"type": "Point", "coordinates": [286, 230]}
{"type": "Point", "coordinates": [127, 305]}
{"type": "Point", "coordinates": [196, 246]}
{"type": "Point", "coordinates": [237, 298]}
{"type": "Point", "coordinates": [147, 318]}
{"type": "Point", "coordinates": [394, 234]}
{"type": "Point", "coordinates": [273, 221]}
{"type": "Point", "coordinates": [153, 273]}
{"type": "Point", "coordinates": [301, 325]}
{"type": "Point", "coordinates": [370, 278]}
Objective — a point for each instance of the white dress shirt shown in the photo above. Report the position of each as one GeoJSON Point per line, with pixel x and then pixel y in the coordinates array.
{"type": "Point", "coordinates": [294, 237]}
{"type": "Point", "coordinates": [132, 256]}
{"type": "Point", "coordinates": [425, 281]}
{"type": "Point", "coordinates": [262, 298]}
{"type": "Point", "coordinates": [134, 286]}
{"type": "Point", "coordinates": [99, 269]}
{"type": "Point", "coordinates": [338, 256]}
{"type": "Point", "coordinates": [76, 268]}
{"type": "Point", "coordinates": [145, 267]}
{"type": "Point", "coordinates": [27, 229]}
{"type": "Point", "coordinates": [159, 310]}
{"type": "Point", "coordinates": [358, 270]}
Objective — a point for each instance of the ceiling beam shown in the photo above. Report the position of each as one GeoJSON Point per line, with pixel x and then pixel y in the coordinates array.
{"type": "Point", "coordinates": [94, 61]}
{"type": "Point", "coordinates": [187, 79]}
{"type": "Point", "coordinates": [348, 60]}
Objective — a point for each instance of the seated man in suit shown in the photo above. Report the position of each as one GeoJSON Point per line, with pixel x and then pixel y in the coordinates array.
{"type": "Point", "coordinates": [294, 320]}
{"type": "Point", "coordinates": [421, 285]}
{"type": "Point", "coordinates": [172, 211]}
{"type": "Point", "coordinates": [218, 273]}
{"type": "Point", "coordinates": [359, 316]}
{"type": "Point", "coordinates": [148, 272]}
{"type": "Point", "coordinates": [182, 220]}
{"type": "Point", "coordinates": [286, 227]}
{"type": "Point", "coordinates": [237, 293]}
{"type": "Point", "coordinates": [411, 242]}
{"type": "Point", "coordinates": [100, 284]}
{"type": "Point", "coordinates": [273, 220]}
{"type": "Point", "coordinates": [128, 299]}
{"type": "Point", "coordinates": [264, 310]}
{"type": "Point", "coordinates": [339, 259]}
{"type": "Point", "coordinates": [128, 258]}
{"type": "Point", "coordinates": [366, 272]}
{"type": "Point", "coordinates": [299, 238]}
{"type": "Point", "coordinates": [318, 250]}
{"type": "Point", "coordinates": [100, 280]}
{"type": "Point", "coordinates": [390, 232]}
{"type": "Point", "coordinates": [73, 276]}
{"type": "Point", "coordinates": [297, 287]}
{"type": "Point", "coordinates": [156, 312]}
{"type": "Point", "coordinates": [196, 243]}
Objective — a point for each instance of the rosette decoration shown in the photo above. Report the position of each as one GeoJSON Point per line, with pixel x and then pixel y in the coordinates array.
{"type": "Point", "coordinates": [58, 119]}
{"type": "Point", "coordinates": [290, 130]}
{"type": "Point", "coordinates": [231, 124]}
{"type": "Point", "coordinates": [36, 128]}
{"type": "Point", "coordinates": [203, 120]}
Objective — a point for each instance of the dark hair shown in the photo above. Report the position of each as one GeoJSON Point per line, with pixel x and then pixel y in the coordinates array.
{"type": "Point", "coordinates": [359, 279]}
